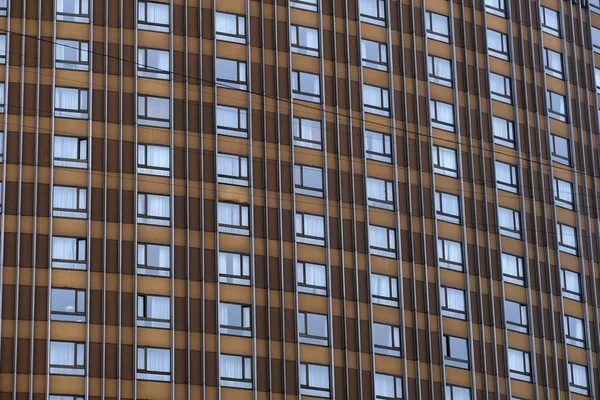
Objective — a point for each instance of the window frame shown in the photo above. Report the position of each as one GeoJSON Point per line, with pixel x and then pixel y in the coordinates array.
{"type": "Point", "coordinates": [388, 252]}
{"type": "Point", "coordinates": [81, 210]}
{"type": "Point", "coordinates": [243, 278]}
{"type": "Point", "coordinates": [80, 162]}
{"type": "Point", "coordinates": [378, 19]}
{"type": "Point", "coordinates": [82, 110]}
{"type": "Point", "coordinates": [297, 47]}
{"type": "Point", "coordinates": [77, 65]}
{"type": "Point", "coordinates": [448, 353]}
{"type": "Point", "coordinates": [450, 393]}
{"type": "Point", "coordinates": [298, 92]}
{"type": "Point", "coordinates": [506, 95]}
{"type": "Point", "coordinates": [82, 17]}
{"type": "Point", "coordinates": [241, 67]}
{"type": "Point", "coordinates": [302, 187]}
{"type": "Point", "coordinates": [570, 339]}
{"type": "Point", "coordinates": [395, 350]}
{"type": "Point", "coordinates": [433, 72]}
{"type": "Point", "coordinates": [145, 169]}
{"type": "Point", "coordinates": [144, 71]}
{"type": "Point", "coordinates": [503, 52]}
{"type": "Point", "coordinates": [229, 37]}
{"type": "Point", "coordinates": [145, 374]}
{"type": "Point", "coordinates": [552, 113]}
{"type": "Point", "coordinates": [146, 321]}
{"type": "Point", "coordinates": [518, 279]}
{"type": "Point", "coordinates": [376, 280]}
{"type": "Point", "coordinates": [447, 263]}
{"type": "Point", "coordinates": [388, 193]}
{"type": "Point", "coordinates": [547, 65]}
{"type": "Point", "coordinates": [241, 131]}
{"type": "Point", "coordinates": [75, 369]}
{"type": "Point", "coordinates": [397, 383]}
{"type": "Point", "coordinates": [301, 236]}
{"type": "Point", "coordinates": [452, 312]}
{"type": "Point", "coordinates": [557, 157]}
{"type": "Point", "coordinates": [509, 186]}
{"type": "Point", "coordinates": [386, 156]}
{"type": "Point", "coordinates": [575, 387]}
{"type": "Point", "coordinates": [304, 335]}
{"type": "Point", "coordinates": [314, 391]}
{"type": "Point", "coordinates": [562, 245]}
{"type": "Point", "coordinates": [80, 257]}
{"type": "Point", "coordinates": [566, 202]}
{"type": "Point", "coordinates": [549, 29]}
{"type": "Point", "coordinates": [438, 123]}
{"type": "Point", "coordinates": [234, 330]}
{"type": "Point", "coordinates": [499, 11]}
{"type": "Point", "coordinates": [144, 119]}
{"type": "Point", "coordinates": [508, 141]}
{"type": "Point", "coordinates": [381, 109]}
{"type": "Point", "coordinates": [524, 375]}
{"type": "Point", "coordinates": [513, 231]}
{"type": "Point", "coordinates": [521, 324]}
{"type": "Point", "coordinates": [381, 63]}
{"type": "Point", "coordinates": [145, 268]}
{"type": "Point", "coordinates": [438, 167]}
{"type": "Point", "coordinates": [144, 218]}
{"type": "Point", "coordinates": [565, 291]}
{"type": "Point", "coordinates": [240, 179]}
{"type": "Point", "coordinates": [77, 315]}
{"type": "Point", "coordinates": [304, 287]}
{"type": "Point", "coordinates": [299, 129]}
{"type": "Point", "coordinates": [430, 31]}
{"type": "Point", "coordinates": [143, 24]}
{"type": "Point", "coordinates": [240, 228]}
{"type": "Point", "coordinates": [441, 201]}
{"type": "Point", "coordinates": [238, 383]}
{"type": "Point", "coordinates": [308, 5]}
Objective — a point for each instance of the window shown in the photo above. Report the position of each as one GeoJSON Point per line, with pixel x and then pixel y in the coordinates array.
{"type": "Point", "coordinates": [3, 8]}
{"type": "Point", "coordinates": [304, 40]}
{"type": "Point", "coordinates": [456, 352]}
{"type": "Point", "coordinates": [450, 254]}
{"type": "Point", "coordinates": [2, 102]}
{"type": "Point", "coordinates": [70, 102]}
{"type": "Point", "coordinates": [550, 22]}
{"type": "Point", "coordinates": [388, 387]}
{"type": "Point", "coordinates": [307, 133]}
{"type": "Point", "coordinates": [378, 146]}
{"type": "Point", "coordinates": [567, 239]}
{"type": "Point", "coordinates": [234, 319]}
{"type": "Point", "coordinates": [594, 5]}
{"type": "Point", "coordinates": [153, 63]}
{"type": "Point", "coordinates": [310, 229]}
{"type": "Point", "coordinates": [69, 152]}
{"type": "Point", "coordinates": [154, 111]}
{"type": "Point", "coordinates": [519, 365]}
{"type": "Point", "coordinates": [306, 86]}
{"type": "Point", "coordinates": [67, 305]}
{"type": "Point", "coordinates": [457, 393]}
{"type": "Point", "coordinates": [496, 7]}
{"type": "Point", "coordinates": [500, 88]}
{"type": "Point", "coordinates": [312, 328]}
{"type": "Point", "coordinates": [553, 64]}
{"type": "Point", "coordinates": [153, 209]}
{"type": "Point", "coordinates": [232, 169]}
{"type": "Point", "coordinates": [439, 70]}
{"type": "Point", "coordinates": [233, 218]}
{"type": "Point", "coordinates": [453, 303]}
{"type": "Point", "coordinates": [153, 364]}
{"type": "Point", "coordinates": [67, 358]}
{"type": "Point", "coordinates": [69, 253]}
{"type": "Point", "coordinates": [312, 278]}
{"type": "Point", "coordinates": [154, 160]}
{"type": "Point", "coordinates": [153, 259]}
{"type": "Point", "coordinates": [444, 161]}
{"type": "Point", "coordinates": [153, 16]}
{"type": "Point", "coordinates": [232, 121]}
{"type": "Point", "coordinates": [578, 379]}
{"type": "Point", "coordinates": [235, 371]}
{"type": "Point", "coordinates": [510, 222]}
{"type": "Point", "coordinates": [230, 27]}
{"type": "Point", "coordinates": [504, 132]}
{"type": "Point", "coordinates": [447, 207]}
{"type": "Point", "coordinates": [372, 11]}
{"type": "Point", "coordinates": [437, 27]}
{"type": "Point", "coordinates": [0, 197]}
{"type": "Point", "coordinates": [380, 193]}
{"type": "Point", "coordinates": [497, 45]}
{"type": "Point", "coordinates": [234, 268]}
{"type": "Point", "coordinates": [72, 10]}
{"type": "Point", "coordinates": [557, 106]}
{"type": "Point", "coordinates": [563, 194]}
{"type": "Point", "coordinates": [386, 340]}
{"type": "Point", "coordinates": [308, 180]}
{"type": "Point", "coordinates": [512, 269]}
{"type": "Point", "coordinates": [516, 316]}
{"type": "Point", "coordinates": [69, 202]}
{"type": "Point", "coordinates": [231, 74]}
{"type": "Point", "coordinates": [560, 148]}
{"type": "Point", "coordinates": [382, 241]}
{"type": "Point", "coordinates": [384, 290]}
{"type": "Point", "coordinates": [442, 115]}
{"type": "Point", "coordinates": [506, 177]}
{"type": "Point", "coordinates": [597, 77]}
{"type": "Point", "coordinates": [153, 311]}
{"type": "Point", "coordinates": [570, 284]}
{"type": "Point", "coordinates": [314, 380]}
{"type": "Point", "coordinates": [70, 54]}
{"type": "Point", "coordinates": [2, 146]}
{"type": "Point", "coordinates": [63, 397]}
{"type": "Point", "coordinates": [309, 5]}
{"type": "Point", "coordinates": [374, 54]}
{"type": "Point", "coordinates": [574, 331]}
{"type": "Point", "coordinates": [376, 100]}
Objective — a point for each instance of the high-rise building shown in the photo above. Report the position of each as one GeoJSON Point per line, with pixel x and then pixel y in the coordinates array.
{"type": "Point", "coordinates": [273, 199]}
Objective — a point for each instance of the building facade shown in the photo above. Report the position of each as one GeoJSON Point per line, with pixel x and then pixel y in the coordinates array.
{"type": "Point", "coordinates": [349, 199]}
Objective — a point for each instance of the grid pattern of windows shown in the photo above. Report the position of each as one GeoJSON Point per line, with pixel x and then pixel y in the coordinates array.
{"type": "Point", "coordinates": [314, 198]}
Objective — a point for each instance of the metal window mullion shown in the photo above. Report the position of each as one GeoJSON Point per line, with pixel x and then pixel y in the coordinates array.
{"type": "Point", "coordinates": [486, 213]}
{"type": "Point", "coordinates": [595, 205]}
{"type": "Point", "coordinates": [523, 212]}
{"type": "Point", "coordinates": [398, 241]}
{"type": "Point", "coordinates": [340, 204]}
{"type": "Point", "coordinates": [188, 341]}
{"type": "Point", "coordinates": [50, 205]}
{"type": "Point", "coordinates": [293, 196]}
{"type": "Point", "coordinates": [135, 198]}
{"type": "Point", "coordinates": [216, 203]}
{"type": "Point", "coordinates": [171, 195]}
{"type": "Point", "coordinates": [201, 217]}
{"type": "Point", "coordinates": [369, 303]}
{"type": "Point", "coordinates": [121, 186]}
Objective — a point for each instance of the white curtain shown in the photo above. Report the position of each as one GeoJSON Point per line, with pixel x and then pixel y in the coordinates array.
{"type": "Point", "coordinates": [579, 375]}
{"type": "Point", "coordinates": [311, 130]}
{"type": "Point", "coordinates": [157, 107]}
{"type": "Point", "coordinates": [317, 325]}
{"type": "Point", "coordinates": [157, 13]}
{"type": "Point", "coordinates": [510, 266]}
{"type": "Point", "coordinates": [229, 264]}
{"type": "Point", "coordinates": [67, 50]}
{"type": "Point", "coordinates": [372, 96]}
{"type": "Point", "coordinates": [309, 83]}
{"type": "Point", "coordinates": [308, 37]}
{"type": "Point", "coordinates": [494, 39]}
{"type": "Point", "coordinates": [447, 158]}
{"type": "Point", "coordinates": [157, 60]}
{"type": "Point", "coordinates": [384, 386]}
{"type": "Point", "coordinates": [452, 251]}
{"type": "Point", "coordinates": [554, 61]}
{"type": "Point", "coordinates": [441, 67]}
{"type": "Point", "coordinates": [376, 189]}
{"type": "Point", "coordinates": [445, 113]}
{"type": "Point", "coordinates": [228, 165]}
{"type": "Point", "coordinates": [314, 226]}
{"type": "Point", "coordinates": [231, 367]}
{"type": "Point", "coordinates": [67, 99]}
{"type": "Point", "coordinates": [65, 147]}
{"type": "Point", "coordinates": [516, 360]}
{"type": "Point", "coordinates": [563, 190]}
{"type": "Point", "coordinates": [157, 360]}
{"type": "Point", "coordinates": [378, 237]}
{"type": "Point", "coordinates": [71, 6]}
{"type": "Point", "coordinates": [65, 197]}
{"type": "Point", "coordinates": [229, 315]}
{"type": "Point", "coordinates": [440, 23]}
{"type": "Point", "coordinates": [575, 327]}
{"type": "Point", "coordinates": [226, 23]}
{"type": "Point", "coordinates": [506, 218]}
{"type": "Point", "coordinates": [368, 7]}
{"type": "Point", "coordinates": [158, 256]}
{"type": "Point", "coordinates": [229, 214]}
{"type": "Point", "coordinates": [157, 206]}
{"type": "Point", "coordinates": [456, 299]}
{"type": "Point", "coordinates": [380, 285]}
{"type": "Point", "coordinates": [62, 353]}
{"type": "Point", "coordinates": [227, 69]}
{"type": "Point", "coordinates": [374, 140]}
{"type": "Point", "coordinates": [227, 117]}
{"type": "Point", "coordinates": [64, 248]}
{"type": "Point", "coordinates": [571, 281]}
{"type": "Point", "coordinates": [567, 236]}
{"type": "Point", "coordinates": [449, 204]}
{"type": "Point", "coordinates": [158, 307]}
{"type": "Point", "coordinates": [314, 275]}
{"type": "Point", "coordinates": [318, 376]}
{"type": "Point", "coordinates": [497, 83]}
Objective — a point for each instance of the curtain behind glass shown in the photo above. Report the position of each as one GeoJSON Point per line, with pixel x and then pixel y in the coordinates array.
{"type": "Point", "coordinates": [64, 248]}
{"type": "Point", "coordinates": [67, 99]}
{"type": "Point", "coordinates": [62, 353]}
{"type": "Point", "coordinates": [65, 147]}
